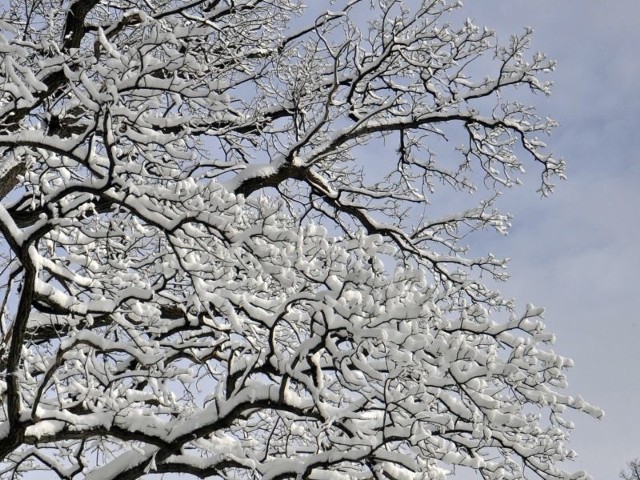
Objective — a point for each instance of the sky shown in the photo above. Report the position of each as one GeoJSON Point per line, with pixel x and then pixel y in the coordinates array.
{"type": "Point", "coordinates": [576, 252]}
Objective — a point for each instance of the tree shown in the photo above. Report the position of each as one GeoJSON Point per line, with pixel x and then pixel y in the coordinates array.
{"type": "Point", "coordinates": [633, 472]}
{"type": "Point", "coordinates": [223, 254]}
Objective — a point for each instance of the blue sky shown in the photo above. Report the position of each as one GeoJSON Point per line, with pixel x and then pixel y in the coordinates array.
{"type": "Point", "coordinates": [576, 253]}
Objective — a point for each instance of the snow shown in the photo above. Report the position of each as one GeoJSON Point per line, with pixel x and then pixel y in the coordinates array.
{"type": "Point", "coordinates": [5, 429]}
{"type": "Point", "coordinates": [124, 461]}
{"type": "Point", "coordinates": [252, 172]}
{"type": "Point", "coordinates": [12, 231]}
{"type": "Point", "coordinates": [45, 428]}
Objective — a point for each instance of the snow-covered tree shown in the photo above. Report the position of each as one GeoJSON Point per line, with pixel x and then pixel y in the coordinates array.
{"type": "Point", "coordinates": [226, 253]}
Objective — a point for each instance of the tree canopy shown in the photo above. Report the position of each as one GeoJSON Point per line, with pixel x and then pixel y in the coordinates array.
{"type": "Point", "coordinates": [223, 252]}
